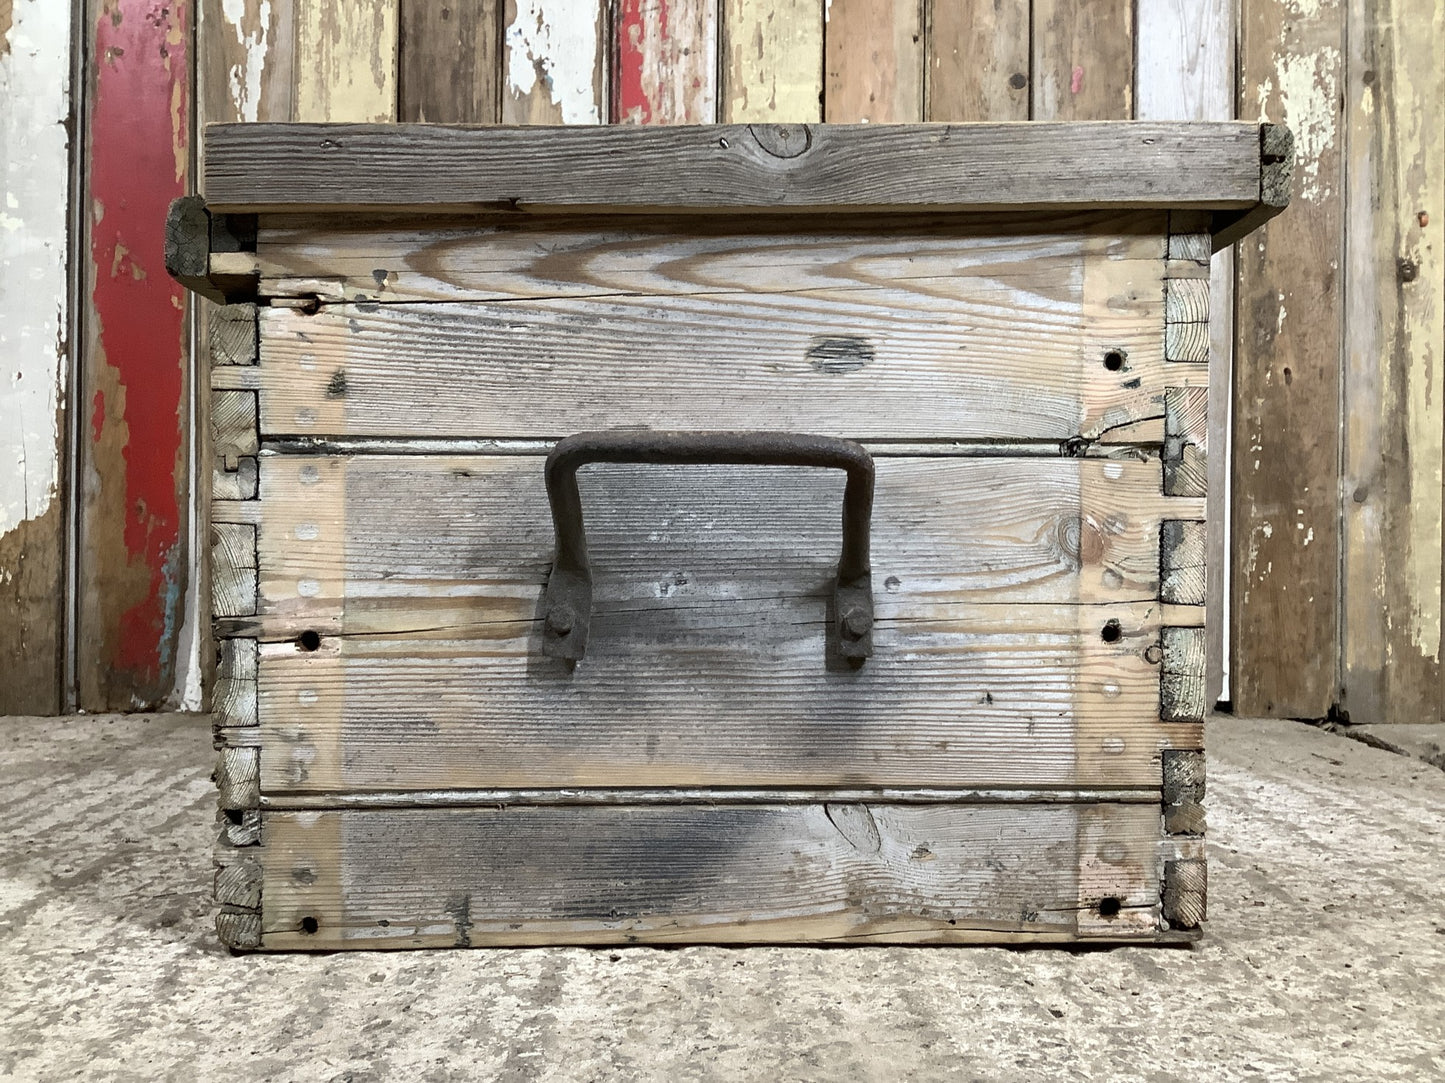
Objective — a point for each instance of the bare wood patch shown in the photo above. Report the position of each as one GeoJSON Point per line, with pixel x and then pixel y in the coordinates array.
{"type": "Point", "coordinates": [978, 61]}
{"type": "Point", "coordinates": [238, 778]}
{"type": "Point", "coordinates": [1186, 441]}
{"type": "Point", "coordinates": [233, 569]}
{"type": "Point", "coordinates": [1185, 895]}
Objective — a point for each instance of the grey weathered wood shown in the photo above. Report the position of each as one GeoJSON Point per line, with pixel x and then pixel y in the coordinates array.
{"type": "Point", "coordinates": [271, 167]}
{"type": "Point", "coordinates": [239, 827]}
{"type": "Point", "coordinates": [232, 331]}
{"type": "Point", "coordinates": [1186, 441]}
{"type": "Point", "coordinates": [239, 929]}
{"type": "Point", "coordinates": [238, 778]}
{"type": "Point", "coordinates": [1182, 681]}
{"type": "Point", "coordinates": [1183, 792]}
{"type": "Point", "coordinates": [841, 872]}
{"type": "Point", "coordinates": [731, 693]}
{"type": "Point", "coordinates": [234, 697]}
{"type": "Point", "coordinates": [238, 881]}
{"type": "Point", "coordinates": [1182, 562]}
{"type": "Point", "coordinates": [1185, 892]}
{"type": "Point", "coordinates": [233, 569]}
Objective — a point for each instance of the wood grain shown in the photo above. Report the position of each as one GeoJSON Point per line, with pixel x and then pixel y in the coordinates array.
{"type": "Point", "coordinates": [1286, 483]}
{"type": "Point", "coordinates": [259, 166]}
{"type": "Point", "coordinates": [978, 61]}
{"type": "Point", "coordinates": [840, 873]}
{"type": "Point", "coordinates": [346, 59]}
{"type": "Point", "coordinates": [449, 62]}
{"type": "Point", "coordinates": [1394, 364]}
{"type": "Point", "coordinates": [943, 355]}
{"type": "Point", "coordinates": [245, 67]}
{"type": "Point", "coordinates": [873, 61]}
{"type": "Point", "coordinates": [666, 66]}
{"type": "Point", "coordinates": [380, 545]}
{"type": "Point", "coordinates": [772, 61]}
{"type": "Point", "coordinates": [1083, 59]}
{"type": "Point", "coordinates": [554, 62]}
{"type": "Point", "coordinates": [351, 258]}
{"type": "Point", "coordinates": [1183, 578]}
{"type": "Point", "coordinates": [957, 695]}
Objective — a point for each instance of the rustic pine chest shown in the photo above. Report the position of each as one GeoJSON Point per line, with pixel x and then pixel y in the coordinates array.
{"type": "Point", "coordinates": [711, 534]}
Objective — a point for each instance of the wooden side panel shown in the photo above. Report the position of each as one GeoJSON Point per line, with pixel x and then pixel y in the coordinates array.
{"type": "Point", "coordinates": [772, 61]}
{"type": "Point", "coordinates": [1286, 551]}
{"type": "Point", "coordinates": [346, 60]}
{"type": "Point", "coordinates": [133, 554]}
{"type": "Point", "coordinates": [374, 545]}
{"type": "Point", "coordinates": [978, 62]}
{"type": "Point", "coordinates": [1395, 362]}
{"type": "Point", "coordinates": [666, 62]}
{"type": "Point", "coordinates": [554, 62]}
{"type": "Point", "coordinates": [34, 353]}
{"type": "Point", "coordinates": [1185, 71]}
{"type": "Point", "coordinates": [959, 337]}
{"type": "Point", "coordinates": [1083, 59]}
{"type": "Point", "coordinates": [873, 61]}
{"type": "Point", "coordinates": [841, 873]}
{"type": "Point", "coordinates": [450, 61]}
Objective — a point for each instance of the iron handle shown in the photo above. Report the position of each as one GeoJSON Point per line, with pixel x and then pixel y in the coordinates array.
{"type": "Point", "coordinates": [568, 606]}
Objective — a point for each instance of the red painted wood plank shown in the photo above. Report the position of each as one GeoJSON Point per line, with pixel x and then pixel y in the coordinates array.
{"type": "Point", "coordinates": [133, 553]}
{"type": "Point", "coordinates": [665, 62]}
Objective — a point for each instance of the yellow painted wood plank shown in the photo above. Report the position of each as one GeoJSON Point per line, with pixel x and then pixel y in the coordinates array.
{"type": "Point", "coordinates": [346, 60]}
{"type": "Point", "coordinates": [772, 61]}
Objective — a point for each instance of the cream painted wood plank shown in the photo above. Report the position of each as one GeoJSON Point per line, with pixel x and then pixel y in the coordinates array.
{"type": "Point", "coordinates": [843, 873]}
{"type": "Point", "coordinates": [554, 62]}
{"type": "Point", "coordinates": [1023, 354]}
{"type": "Point", "coordinates": [873, 61]}
{"type": "Point", "coordinates": [978, 60]}
{"type": "Point", "coordinates": [1083, 54]}
{"type": "Point", "coordinates": [1185, 63]}
{"type": "Point", "coordinates": [434, 168]}
{"type": "Point", "coordinates": [1395, 362]}
{"type": "Point", "coordinates": [35, 371]}
{"type": "Point", "coordinates": [772, 61]}
{"type": "Point", "coordinates": [729, 692]}
{"type": "Point", "coordinates": [353, 259]}
{"type": "Point", "coordinates": [460, 546]}
{"type": "Point", "coordinates": [346, 60]}
{"type": "Point", "coordinates": [666, 62]}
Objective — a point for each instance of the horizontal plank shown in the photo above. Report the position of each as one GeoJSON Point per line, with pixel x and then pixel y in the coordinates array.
{"type": "Point", "coordinates": [740, 874]}
{"type": "Point", "coordinates": [353, 258]}
{"type": "Point", "coordinates": [720, 695]}
{"type": "Point", "coordinates": [460, 546]}
{"type": "Point", "coordinates": [1073, 348]}
{"type": "Point", "coordinates": [251, 167]}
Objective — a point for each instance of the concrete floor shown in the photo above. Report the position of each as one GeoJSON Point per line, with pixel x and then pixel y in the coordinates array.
{"type": "Point", "coordinates": [1324, 958]}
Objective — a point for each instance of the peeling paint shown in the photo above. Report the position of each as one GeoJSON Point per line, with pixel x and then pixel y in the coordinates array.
{"type": "Point", "coordinates": [244, 78]}
{"type": "Point", "coordinates": [34, 91]}
{"type": "Point", "coordinates": [552, 46]}
{"type": "Point", "coordinates": [1309, 102]}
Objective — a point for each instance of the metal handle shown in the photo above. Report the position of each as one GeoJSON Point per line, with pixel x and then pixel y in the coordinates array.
{"type": "Point", "coordinates": [569, 587]}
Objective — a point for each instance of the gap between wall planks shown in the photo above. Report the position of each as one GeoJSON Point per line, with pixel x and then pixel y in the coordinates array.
{"type": "Point", "coordinates": [1185, 61]}
{"type": "Point", "coordinates": [1394, 361]}
{"type": "Point", "coordinates": [133, 554]}
{"type": "Point", "coordinates": [35, 45]}
{"type": "Point", "coordinates": [1286, 551]}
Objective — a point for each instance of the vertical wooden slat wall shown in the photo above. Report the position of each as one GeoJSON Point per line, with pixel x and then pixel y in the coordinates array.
{"type": "Point", "coordinates": [35, 42]}
{"type": "Point", "coordinates": [1338, 421]}
{"type": "Point", "coordinates": [133, 558]}
{"type": "Point", "coordinates": [1289, 328]}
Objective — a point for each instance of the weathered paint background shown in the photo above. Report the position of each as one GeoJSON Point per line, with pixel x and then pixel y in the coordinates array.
{"type": "Point", "coordinates": [134, 563]}
{"type": "Point", "coordinates": [1338, 419]}
{"type": "Point", "coordinates": [35, 38]}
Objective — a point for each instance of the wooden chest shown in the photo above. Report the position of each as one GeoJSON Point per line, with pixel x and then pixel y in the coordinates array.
{"type": "Point", "coordinates": [886, 623]}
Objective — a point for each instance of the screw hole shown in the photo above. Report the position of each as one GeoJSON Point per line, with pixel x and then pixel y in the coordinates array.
{"type": "Point", "coordinates": [308, 640]}
{"type": "Point", "coordinates": [309, 924]}
{"type": "Point", "coordinates": [1111, 631]}
{"type": "Point", "coordinates": [1109, 906]}
{"type": "Point", "coordinates": [1114, 360]}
